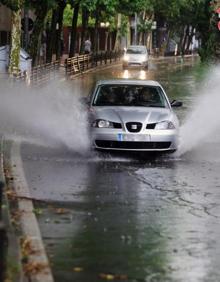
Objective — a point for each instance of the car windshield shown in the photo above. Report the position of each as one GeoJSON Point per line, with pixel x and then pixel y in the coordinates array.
{"type": "Point", "coordinates": [130, 95]}
{"type": "Point", "coordinates": [137, 50]}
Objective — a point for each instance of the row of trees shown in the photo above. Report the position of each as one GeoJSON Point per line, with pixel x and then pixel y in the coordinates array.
{"type": "Point", "coordinates": [181, 18]}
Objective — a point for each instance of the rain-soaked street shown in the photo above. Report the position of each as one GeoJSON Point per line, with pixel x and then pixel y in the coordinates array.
{"type": "Point", "coordinates": [121, 218]}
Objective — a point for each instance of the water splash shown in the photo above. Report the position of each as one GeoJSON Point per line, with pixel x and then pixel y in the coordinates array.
{"type": "Point", "coordinates": [203, 123]}
{"type": "Point", "coordinates": [51, 116]}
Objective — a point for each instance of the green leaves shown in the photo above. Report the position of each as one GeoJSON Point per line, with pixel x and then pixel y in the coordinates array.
{"type": "Point", "coordinates": [14, 5]}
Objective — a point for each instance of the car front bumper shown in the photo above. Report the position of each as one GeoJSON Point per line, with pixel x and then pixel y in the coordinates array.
{"type": "Point", "coordinates": [134, 63]}
{"type": "Point", "coordinates": [149, 140]}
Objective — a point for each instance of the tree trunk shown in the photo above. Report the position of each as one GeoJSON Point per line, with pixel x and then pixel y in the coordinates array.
{"type": "Point", "coordinates": [96, 36]}
{"type": "Point", "coordinates": [74, 31]}
{"type": "Point", "coordinates": [167, 42]}
{"type": "Point", "coordinates": [182, 29]}
{"type": "Point", "coordinates": [85, 17]}
{"type": "Point", "coordinates": [51, 36]}
{"type": "Point", "coordinates": [106, 40]}
{"type": "Point", "coordinates": [191, 34]}
{"type": "Point", "coordinates": [15, 43]}
{"type": "Point", "coordinates": [118, 34]}
{"type": "Point", "coordinates": [35, 42]}
{"type": "Point", "coordinates": [59, 40]}
{"type": "Point", "coordinates": [186, 34]}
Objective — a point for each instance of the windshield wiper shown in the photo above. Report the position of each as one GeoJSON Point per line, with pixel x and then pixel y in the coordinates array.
{"type": "Point", "coordinates": [148, 105]}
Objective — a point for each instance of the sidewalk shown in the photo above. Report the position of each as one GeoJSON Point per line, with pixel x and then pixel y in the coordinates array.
{"type": "Point", "coordinates": [23, 256]}
{"type": "Point", "coordinates": [12, 270]}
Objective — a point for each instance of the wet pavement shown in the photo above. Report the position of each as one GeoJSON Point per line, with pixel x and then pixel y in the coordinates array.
{"type": "Point", "coordinates": [121, 218]}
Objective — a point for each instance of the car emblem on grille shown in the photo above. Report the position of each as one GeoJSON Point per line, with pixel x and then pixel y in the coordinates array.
{"type": "Point", "coordinates": [134, 126]}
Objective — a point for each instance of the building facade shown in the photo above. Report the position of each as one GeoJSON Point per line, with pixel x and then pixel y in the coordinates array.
{"type": "Point", "coordinates": [5, 25]}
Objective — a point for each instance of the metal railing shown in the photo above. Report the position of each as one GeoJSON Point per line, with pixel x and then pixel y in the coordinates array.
{"type": "Point", "coordinates": [38, 75]}
{"type": "Point", "coordinates": [81, 63]}
{"type": "Point", "coordinates": [42, 74]}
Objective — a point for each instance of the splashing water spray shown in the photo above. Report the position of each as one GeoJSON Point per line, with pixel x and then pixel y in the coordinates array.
{"type": "Point", "coordinates": [49, 116]}
{"type": "Point", "coordinates": [54, 116]}
{"type": "Point", "coordinates": [203, 123]}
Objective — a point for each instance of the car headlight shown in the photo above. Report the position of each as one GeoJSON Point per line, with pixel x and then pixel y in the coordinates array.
{"type": "Point", "coordinates": [164, 125]}
{"type": "Point", "coordinates": [126, 58]}
{"type": "Point", "coordinates": [101, 123]}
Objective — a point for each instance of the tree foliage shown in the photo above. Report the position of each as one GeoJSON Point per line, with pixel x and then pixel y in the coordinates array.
{"type": "Point", "coordinates": [14, 5]}
{"type": "Point", "coordinates": [128, 7]}
{"type": "Point", "coordinates": [181, 18]}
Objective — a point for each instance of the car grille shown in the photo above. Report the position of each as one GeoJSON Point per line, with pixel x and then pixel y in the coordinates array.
{"type": "Point", "coordinates": [134, 126]}
{"type": "Point", "coordinates": [134, 64]}
{"type": "Point", "coordinates": [117, 125]}
{"type": "Point", "coordinates": [132, 145]}
{"type": "Point", "coordinates": [151, 126]}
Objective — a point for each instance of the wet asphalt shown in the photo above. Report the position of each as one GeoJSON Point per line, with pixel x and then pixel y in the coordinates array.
{"type": "Point", "coordinates": [126, 218]}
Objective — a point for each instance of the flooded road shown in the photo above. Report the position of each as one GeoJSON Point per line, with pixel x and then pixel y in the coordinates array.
{"type": "Point", "coordinates": [108, 217]}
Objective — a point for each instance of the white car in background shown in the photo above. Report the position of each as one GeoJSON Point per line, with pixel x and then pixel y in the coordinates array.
{"type": "Point", "coordinates": [135, 56]}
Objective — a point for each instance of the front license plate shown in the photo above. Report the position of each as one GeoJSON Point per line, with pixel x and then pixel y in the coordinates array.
{"type": "Point", "coordinates": [133, 137]}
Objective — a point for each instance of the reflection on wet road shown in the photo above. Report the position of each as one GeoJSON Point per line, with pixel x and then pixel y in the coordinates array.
{"type": "Point", "coordinates": [156, 220]}
{"type": "Point", "coordinates": [125, 219]}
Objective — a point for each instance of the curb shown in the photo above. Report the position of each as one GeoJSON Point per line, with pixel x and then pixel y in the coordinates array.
{"type": "Point", "coordinates": [34, 262]}
{"type": "Point", "coordinates": [37, 258]}
{"type": "Point", "coordinates": [13, 271]}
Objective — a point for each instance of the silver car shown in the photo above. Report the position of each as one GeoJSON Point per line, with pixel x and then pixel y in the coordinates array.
{"type": "Point", "coordinates": [135, 56]}
{"type": "Point", "coordinates": [132, 115]}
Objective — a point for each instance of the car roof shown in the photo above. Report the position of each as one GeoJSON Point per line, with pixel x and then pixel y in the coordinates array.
{"type": "Point", "coordinates": [128, 82]}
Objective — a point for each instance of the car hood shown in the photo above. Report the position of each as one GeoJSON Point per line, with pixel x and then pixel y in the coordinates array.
{"type": "Point", "coordinates": [128, 114]}
{"type": "Point", "coordinates": [136, 56]}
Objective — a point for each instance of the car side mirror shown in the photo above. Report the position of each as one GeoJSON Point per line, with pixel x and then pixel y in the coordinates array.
{"type": "Point", "coordinates": [176, 103]}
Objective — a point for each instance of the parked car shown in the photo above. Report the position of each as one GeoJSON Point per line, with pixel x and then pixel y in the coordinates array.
{"type": "Point", "coordinates": [135, 56]}
{"type": "Point", "coordinates": [25, 60]}
{"type": "Point", "coordinates": [132, 115]}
